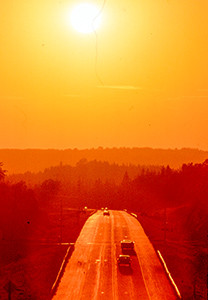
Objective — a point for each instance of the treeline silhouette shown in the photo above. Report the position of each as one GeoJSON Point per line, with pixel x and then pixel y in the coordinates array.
{"type": "Point", "coordinates": [18, 211]}
{"type": "Point", "coordinates": [26, 198]}
{"type": "Point", "coordinates": [84, 171]}
{"type": "Point", "coordinates": [35, 160]}
{"type": "Point", "coordinates": [155, 184]}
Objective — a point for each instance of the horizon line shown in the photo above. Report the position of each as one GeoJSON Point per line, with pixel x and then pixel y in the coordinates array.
{"type": "Point", "coordinates": [107, 148]}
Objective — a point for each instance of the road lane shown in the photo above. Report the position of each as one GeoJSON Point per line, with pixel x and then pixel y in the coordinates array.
{"type": "Point", "coordinates": [99, 263]}
{"type": "Point", "coordinates": [130, 281]}
{"type": "Point", "coordinates": [155, 279]}
{"type": "Point", "coordinates": [92, 271]}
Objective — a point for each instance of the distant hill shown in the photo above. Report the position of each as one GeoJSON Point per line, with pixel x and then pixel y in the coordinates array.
{"type": "Point", "coordinates": [34, 160]}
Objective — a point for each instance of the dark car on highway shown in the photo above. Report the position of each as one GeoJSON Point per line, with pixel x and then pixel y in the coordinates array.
{"type": "Point", "coordinates": [124, 260]}
{"type": "Point", "coordinates": [127, 245]}
{"type": "Point", "coordinates": [106, 213]}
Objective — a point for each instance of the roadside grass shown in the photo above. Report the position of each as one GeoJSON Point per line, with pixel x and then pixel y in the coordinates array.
{"type": "Point", "coordinates": [185, 257]}
{"type": "Point", "coordinates": [32, 265]}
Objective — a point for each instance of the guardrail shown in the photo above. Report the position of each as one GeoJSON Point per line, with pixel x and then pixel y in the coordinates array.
{"type": "Point", "coordinates": [131, 213]}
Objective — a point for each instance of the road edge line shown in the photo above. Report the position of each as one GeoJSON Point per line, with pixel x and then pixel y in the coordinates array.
{"type": "Point", "coordinates": [169, 275]}
{"type": "Point", "coordinates": [61, 270]}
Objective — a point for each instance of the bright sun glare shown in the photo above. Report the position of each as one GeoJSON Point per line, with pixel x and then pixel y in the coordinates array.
{"type": "Point", "coordinates": [85, 17]}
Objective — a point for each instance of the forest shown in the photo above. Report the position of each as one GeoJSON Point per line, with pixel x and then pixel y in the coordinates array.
{"type": "Point", "coordinates": [96, 184]}
{"type": "Point", "coordinates": [171, 206]}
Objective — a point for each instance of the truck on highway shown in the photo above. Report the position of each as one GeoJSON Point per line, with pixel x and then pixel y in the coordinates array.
{"type": "Point", "coordinates": [127, 245]}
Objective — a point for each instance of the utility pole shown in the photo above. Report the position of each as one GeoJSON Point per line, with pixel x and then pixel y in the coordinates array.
{"type": "Point", "coordinates": [165, 224]}
{"type": "Point", "coordinates": [61, 221]}
{"type": "Point", "coordinates": [10, 287]}
{"type": "Point", "coordinates": [9, 291]}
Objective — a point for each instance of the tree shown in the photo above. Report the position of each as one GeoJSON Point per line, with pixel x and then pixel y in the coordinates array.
{"type": "Point", "coordinates": [49, 190]}
{"type": "Point", "coordinates": [126, 180]}
{"type": "Point", "coordinates": [2, 172]}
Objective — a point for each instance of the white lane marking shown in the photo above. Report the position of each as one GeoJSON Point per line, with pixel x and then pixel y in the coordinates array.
{"type": "Point", "coordinates": [88, 259]}
{"type": "Point", "coordinates": [99, 265]}
{"type": "Point", "coordinates": [132, 290]}
{"type": "Point", "coordinates": [96, 288]}
{"type": "Point", "coordinates": [148, 294]}
{"type": "Point", "coordinates": [169, 275]}
{"type": "Point", "coordinates": [114, 266]}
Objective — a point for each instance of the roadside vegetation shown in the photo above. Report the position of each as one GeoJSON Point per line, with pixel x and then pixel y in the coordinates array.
{"type": "Point", "coordinates": [35, 233]}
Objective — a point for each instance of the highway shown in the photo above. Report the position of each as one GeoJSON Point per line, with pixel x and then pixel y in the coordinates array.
{"type": "Point", "coordinates": [92, 271]}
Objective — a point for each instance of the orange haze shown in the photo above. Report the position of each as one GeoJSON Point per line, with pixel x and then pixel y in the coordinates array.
{"type": "Point", "coordinates": [140, 81]}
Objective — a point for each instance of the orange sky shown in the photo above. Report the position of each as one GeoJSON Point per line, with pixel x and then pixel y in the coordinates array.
{"type": "Point", "coordinates": [147, 86]}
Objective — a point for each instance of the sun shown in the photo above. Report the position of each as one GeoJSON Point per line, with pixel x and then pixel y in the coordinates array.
{"type": "Point", "coordinates": [85, 18]}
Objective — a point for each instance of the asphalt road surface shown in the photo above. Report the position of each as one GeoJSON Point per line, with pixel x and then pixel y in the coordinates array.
{"type": "Point", "coordinates": [92, 271]}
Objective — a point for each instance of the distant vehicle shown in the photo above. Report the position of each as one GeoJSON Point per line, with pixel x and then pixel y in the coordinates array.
{"type": "Point", "coordinates": [127, 245]}
{"type": "Point", "coordinates": [124, 260]}
{"type": "Point", "coordinates": [102, 208]}
{"type": "Point", "coordinates": [106, 213]}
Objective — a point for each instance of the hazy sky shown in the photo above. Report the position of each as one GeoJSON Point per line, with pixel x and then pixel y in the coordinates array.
{"type": "Point", "coordinates": [141, 80]}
